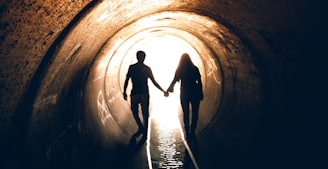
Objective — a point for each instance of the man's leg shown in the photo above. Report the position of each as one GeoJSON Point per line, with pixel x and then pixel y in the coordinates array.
{"type": "Point", "coordinates": [135, 113]}
{"type": "Point", "coordinates": [145, 111]}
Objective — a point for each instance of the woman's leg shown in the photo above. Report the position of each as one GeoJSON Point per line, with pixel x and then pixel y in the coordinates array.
{"type": "Point", "coordinates": [195, 109]}
{"type": "Point", "coordinates": [185, 109]}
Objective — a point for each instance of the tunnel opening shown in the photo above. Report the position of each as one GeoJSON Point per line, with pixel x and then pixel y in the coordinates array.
{"type": "Point", "coordinates": [103, 56]}
{"type": "Point", "coordinates": [116, 56]}
{"type": "Point", "coordinates": [280, 37]}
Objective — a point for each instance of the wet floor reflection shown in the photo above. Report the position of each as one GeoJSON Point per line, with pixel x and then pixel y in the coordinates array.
{"type": "Point", "coordinates": [169, 147]}
{"type": "Point", "coordinates": [167, 144]}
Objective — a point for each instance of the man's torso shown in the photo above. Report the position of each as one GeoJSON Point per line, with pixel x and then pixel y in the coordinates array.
{"type": "Point", "coordinates": [139, 74]}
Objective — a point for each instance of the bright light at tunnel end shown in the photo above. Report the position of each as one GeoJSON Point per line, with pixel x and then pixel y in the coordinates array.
{"type": "Point", "coordinates": [162, 55]}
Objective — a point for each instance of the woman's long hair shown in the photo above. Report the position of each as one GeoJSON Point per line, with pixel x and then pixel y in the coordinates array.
{"type": "Point", "coordinates": [185, 64]}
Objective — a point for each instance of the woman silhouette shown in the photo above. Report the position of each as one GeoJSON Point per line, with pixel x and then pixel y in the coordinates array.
{"type": "Point", "coordinates": [191, 92]}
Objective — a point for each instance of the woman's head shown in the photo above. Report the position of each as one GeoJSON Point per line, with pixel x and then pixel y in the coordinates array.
{"type": "Point", "coordinates": [185, 64]}
{"type": "Point", "coordinates": [185, 60]}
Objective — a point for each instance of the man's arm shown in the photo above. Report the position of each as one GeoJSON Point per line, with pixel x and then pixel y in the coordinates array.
{"type": "Point", "coordinates": [151, 76]}
{"type": "Point", "coordinates": [126, 82]}
{"type": "Point", "coordinates": [166, 94]}
{"type": "Point", "coordinates": [125, 96]}
{"type": "Point", "coordinates": [156, 84]}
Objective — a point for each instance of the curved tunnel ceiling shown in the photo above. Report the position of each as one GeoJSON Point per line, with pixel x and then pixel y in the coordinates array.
{"type": "Point", "coordinates": [99, 48]}
{"type": "Point", "coordinates": [114, 58]}
{"type": "Point", "coordinates": [255, 58]}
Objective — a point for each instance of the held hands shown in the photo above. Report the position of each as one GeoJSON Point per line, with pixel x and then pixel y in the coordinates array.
{"type": "Point", "coordinates": [166, 93]}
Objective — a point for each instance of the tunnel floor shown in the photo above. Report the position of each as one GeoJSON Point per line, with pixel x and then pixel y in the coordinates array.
{"type": "Point", "coordinates": [165, 145]}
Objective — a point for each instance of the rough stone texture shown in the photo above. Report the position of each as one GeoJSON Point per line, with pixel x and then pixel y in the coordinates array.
{"type": "Point", "coordinates": [28, 28]}
{"type": "Point", "coordinates": [277, 31]}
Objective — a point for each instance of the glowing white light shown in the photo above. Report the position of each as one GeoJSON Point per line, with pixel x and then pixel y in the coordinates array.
{"type": "Point", "coordinates": [165, 112]}
{"type": "Point", "coordinates": [163, 54]}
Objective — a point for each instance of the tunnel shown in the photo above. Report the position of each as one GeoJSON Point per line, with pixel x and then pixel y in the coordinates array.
{"type": "Point", "coordinates": [63, 66]}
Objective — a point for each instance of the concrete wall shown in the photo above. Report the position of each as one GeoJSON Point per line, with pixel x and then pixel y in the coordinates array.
{"type": "Point", "coordinates": [283, 37]}
{"type": "Point", "coordinates": [28, 29]}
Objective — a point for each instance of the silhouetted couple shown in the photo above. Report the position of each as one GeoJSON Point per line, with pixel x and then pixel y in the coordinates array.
{"type": "Point", "coordinates": [190, 93]}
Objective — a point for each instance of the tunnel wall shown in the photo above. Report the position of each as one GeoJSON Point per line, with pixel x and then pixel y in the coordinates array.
{"type": "Point", "coordinates": [275, 32]}
{"type": "Point", "coordinates": [241, 76]}
{"type": "Point", "coordinates": [28, 29]}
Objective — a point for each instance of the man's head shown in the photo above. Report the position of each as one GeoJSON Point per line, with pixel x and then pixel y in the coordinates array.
{"type": "Point", "coordinates": [141, 56]}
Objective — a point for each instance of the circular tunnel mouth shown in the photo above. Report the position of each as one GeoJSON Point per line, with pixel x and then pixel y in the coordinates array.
{"type": "Point", "coordinates": [101, 57]}
{"type": "Point", "coordinates": [164, 37]}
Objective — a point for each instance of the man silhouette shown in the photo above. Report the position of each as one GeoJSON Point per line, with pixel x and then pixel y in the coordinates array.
{"type": "Point", "coordinates": [139, 74]}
